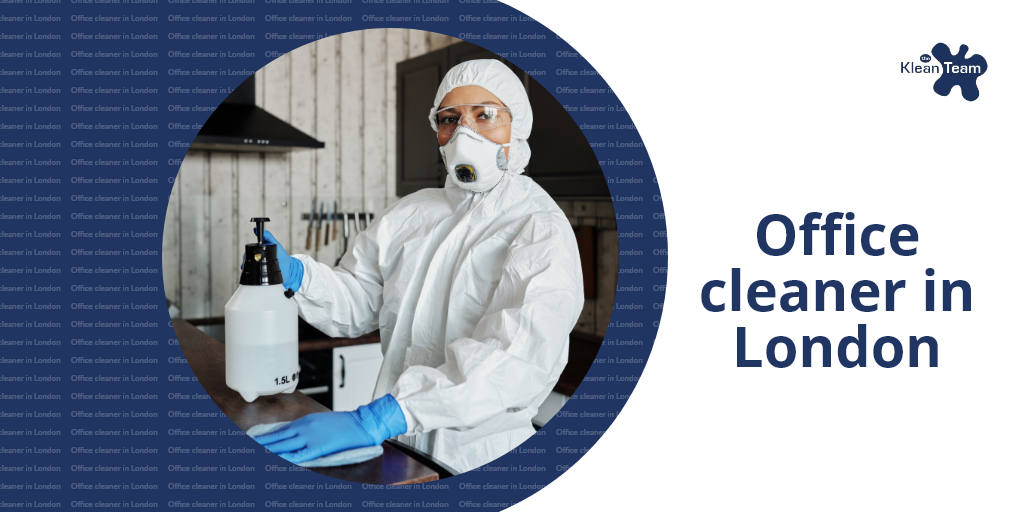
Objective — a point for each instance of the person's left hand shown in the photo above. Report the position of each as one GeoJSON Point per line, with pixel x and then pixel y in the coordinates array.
{"type": "Point", "coordinates": [291, 268]}
{"type": "Point", "coordinates": [324, 433]}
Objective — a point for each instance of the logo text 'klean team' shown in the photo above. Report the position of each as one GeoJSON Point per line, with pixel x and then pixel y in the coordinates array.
{"type": "Point", "coordinates": [970, 69]}
{"type": "Point", "coordinates": [956, 70]}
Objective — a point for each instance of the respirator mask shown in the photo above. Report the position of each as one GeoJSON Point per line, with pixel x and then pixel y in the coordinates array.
{"type": "Point", "coordinates": [474, 162]}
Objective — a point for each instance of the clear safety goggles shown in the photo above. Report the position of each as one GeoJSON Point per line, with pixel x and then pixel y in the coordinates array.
{"type": "Point", "coordinates": [478, 117]}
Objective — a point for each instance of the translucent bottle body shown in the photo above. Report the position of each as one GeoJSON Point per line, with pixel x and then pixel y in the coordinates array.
{"type": "Point", "coordinates": [261, 348]}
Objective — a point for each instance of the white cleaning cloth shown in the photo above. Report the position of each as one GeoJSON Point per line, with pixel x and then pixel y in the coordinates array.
{"type": "Point", "coordinates": [342, 458]}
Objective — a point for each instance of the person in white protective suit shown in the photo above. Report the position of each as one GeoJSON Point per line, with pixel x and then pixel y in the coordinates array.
{"type": "Point", "coordinates": [474, 287]}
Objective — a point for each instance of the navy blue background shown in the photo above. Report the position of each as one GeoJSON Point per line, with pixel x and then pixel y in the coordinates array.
{"type": "Point", "coordinates": [148, 476]}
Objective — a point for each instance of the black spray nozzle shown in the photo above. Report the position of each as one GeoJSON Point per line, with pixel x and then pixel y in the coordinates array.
{"type": "Point", "coordinates": [259, 227]}
{"type": "Point", "coordinates": [260, 266]}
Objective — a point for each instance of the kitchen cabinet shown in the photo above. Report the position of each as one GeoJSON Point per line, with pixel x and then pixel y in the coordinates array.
{"type": "Point", "coordinates": [562, 161]}
{"type": "Point", "coordinates": [400, 464]}
{"type": "Point", "coordinates": [354, 375]}
{"type": "Point", "coordinates": [419, 161]}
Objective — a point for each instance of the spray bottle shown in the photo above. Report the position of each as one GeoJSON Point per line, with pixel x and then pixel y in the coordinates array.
{"type": "Point", "coordinates": [261, 324]}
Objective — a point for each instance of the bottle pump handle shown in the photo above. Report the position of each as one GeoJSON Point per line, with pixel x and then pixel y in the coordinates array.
{"type": "Point", "coordinates": [259, 227]}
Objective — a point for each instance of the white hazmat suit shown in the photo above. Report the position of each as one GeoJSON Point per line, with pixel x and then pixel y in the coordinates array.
{"type": "Point", "coordinates": [474, 293]}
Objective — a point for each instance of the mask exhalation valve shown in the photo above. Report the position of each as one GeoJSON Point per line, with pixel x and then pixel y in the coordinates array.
{"type": "Point", "coordinates": [465, 173]}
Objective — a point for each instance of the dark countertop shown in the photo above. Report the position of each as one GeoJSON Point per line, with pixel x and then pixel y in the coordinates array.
{"type": "Point", "coordinates": [206, 357]}
{"type": "Point", "coordinates": [583, 348]}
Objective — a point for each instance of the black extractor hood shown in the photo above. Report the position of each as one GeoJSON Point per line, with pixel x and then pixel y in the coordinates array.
{"type": "Point", "coordinates": [239, 125]}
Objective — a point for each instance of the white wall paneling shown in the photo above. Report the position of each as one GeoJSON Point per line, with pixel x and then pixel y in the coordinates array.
{"type": "Point", "coordinates": [352, 122]}
{"type": "Point", "coordinates": [328, 166]}
{"type": "Point", "coordinates": [171, 253]}
{"type": "Point", "coordinates": [374, 119]}
{"type": "Point", "coordinates": [194, 184]}
{"type": "Point", "coordinates": [303, 117]}
{"type": "Point", "coordinates": [340, 90]}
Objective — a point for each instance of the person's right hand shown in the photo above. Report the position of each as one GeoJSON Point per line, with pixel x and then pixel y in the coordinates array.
{"type": "Point", "coordinates": [291, 268]}
{"type": "Point", "coordinates": [324, 433]}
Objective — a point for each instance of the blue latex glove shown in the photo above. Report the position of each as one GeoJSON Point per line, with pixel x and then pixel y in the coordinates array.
{"type": "Point", "coordinates": [324, 433]}
{"type": "Point", "coordinates": [291, 268]}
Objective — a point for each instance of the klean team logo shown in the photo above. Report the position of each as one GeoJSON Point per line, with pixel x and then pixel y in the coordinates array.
{"type": "Point", "coordinates": [955, 69]}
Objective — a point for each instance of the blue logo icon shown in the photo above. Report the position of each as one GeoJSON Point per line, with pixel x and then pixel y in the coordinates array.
{"type": "Point", "coordinates": [955, 70]}
{"type": "Point", "coordinates": [958, 70]}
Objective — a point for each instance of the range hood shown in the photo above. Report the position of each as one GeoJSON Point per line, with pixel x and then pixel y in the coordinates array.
{"type": "Point", "coordinates": [239, 125]}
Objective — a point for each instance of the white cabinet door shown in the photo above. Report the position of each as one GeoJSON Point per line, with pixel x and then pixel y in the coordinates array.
{"type": "Point", "coordinates": [550, 408]}
{"type": "Point", "coordinates": [355, 375]}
